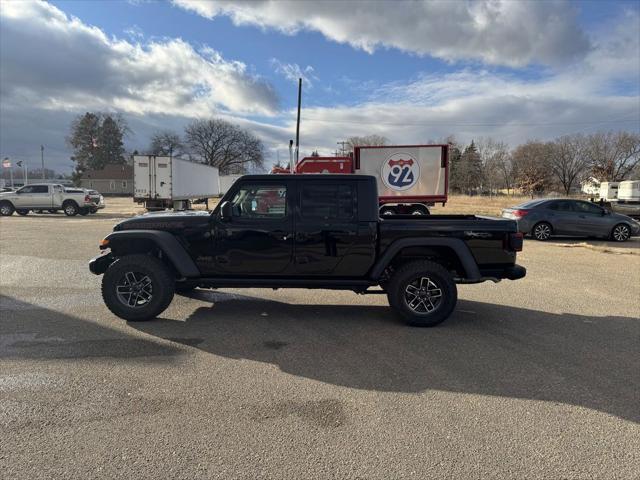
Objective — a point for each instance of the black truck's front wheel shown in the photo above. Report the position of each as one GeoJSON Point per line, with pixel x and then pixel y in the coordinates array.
{"type": "Point", "coordinates": [137, 287]}
{"type": "Point", "coordinates": [423, 293]}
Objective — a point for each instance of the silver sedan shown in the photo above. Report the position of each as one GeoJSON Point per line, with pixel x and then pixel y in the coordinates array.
{"type": "Point", "coordinates": [544, 218]}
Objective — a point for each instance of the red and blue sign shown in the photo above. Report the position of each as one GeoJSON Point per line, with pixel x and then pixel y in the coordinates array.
{"type": "Point", "coordinates": [400, 171]}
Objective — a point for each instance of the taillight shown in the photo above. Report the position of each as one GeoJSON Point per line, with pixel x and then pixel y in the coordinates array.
{"type": "Point", "coordinates": [87, 198]}
{"type": "Point", "coordinates": [519, 213]}
{"type": "Point", "coordinates": [515, 241]}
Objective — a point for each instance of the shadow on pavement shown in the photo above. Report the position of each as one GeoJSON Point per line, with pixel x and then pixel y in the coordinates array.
{"type": "Point", "coordinates": [482, 349]}
{"type": "Point", "coordinates": [32, 332]}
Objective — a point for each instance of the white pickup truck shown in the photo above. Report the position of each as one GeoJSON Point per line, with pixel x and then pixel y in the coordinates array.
{"type": "Point", "coordinates": [45, 196]}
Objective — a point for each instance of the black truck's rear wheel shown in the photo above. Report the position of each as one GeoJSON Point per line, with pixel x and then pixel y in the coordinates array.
{"type": "Point", "coordinates": [423, 293]}
{"type": "Point", "coordinates": [137, 287]}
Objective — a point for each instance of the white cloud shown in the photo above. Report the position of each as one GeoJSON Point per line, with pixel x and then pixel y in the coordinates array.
{"type": "Point", "coordinates": [293, 71]}
{"type": "Point", "coordinates": [57, 62]}
{"type": "Point", "coordinates": [503, 32]}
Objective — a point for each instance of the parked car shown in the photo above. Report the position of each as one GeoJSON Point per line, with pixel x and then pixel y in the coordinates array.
{"type": "Point", "coordinates": [544, 218]}
{"type": "Point", "coordinates": [45, 196]}
{"type": "Point", "coordinates": [305, 231]}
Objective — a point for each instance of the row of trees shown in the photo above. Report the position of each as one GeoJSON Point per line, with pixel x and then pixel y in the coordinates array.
{"type": "Point", "coordinates": [487, 165]}
{"type": "Point", "coordinates": [536, 167]}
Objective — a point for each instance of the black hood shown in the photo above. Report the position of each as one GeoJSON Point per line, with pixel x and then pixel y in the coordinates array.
{"type": "Point", "coordinates": [165, 220]}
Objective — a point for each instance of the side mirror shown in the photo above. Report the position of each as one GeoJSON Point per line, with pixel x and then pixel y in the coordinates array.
{"type": "Point", "coordinates": [226, 211]}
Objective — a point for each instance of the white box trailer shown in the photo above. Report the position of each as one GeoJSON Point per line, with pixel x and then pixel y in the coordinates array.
{"type": "Point", "coordinates": [609, 191]}
{"type": "Point", "coordinates": [629, 191]}
{"type": "Point", "coordinates": [164, 182]}
{"type": "Point", "coordinates": [226, 181]}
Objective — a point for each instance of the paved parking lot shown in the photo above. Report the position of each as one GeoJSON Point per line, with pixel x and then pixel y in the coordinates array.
{"type": "Point", "coordinates": [538, 378]}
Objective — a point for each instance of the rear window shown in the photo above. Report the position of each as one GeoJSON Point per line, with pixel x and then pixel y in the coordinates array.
{"type": "Point", "coordinates": [530, 203]}
{"type": "Point", "coordinates": [326, 200]}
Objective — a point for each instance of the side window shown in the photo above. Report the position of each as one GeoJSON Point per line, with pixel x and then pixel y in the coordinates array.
{"type": "Point", "coordinates": [260, 201]}
{"type": "Point", "coordinates": [561, 206]}
{"type": "Point", "coordinates": [325, 200]}
{"type": "Point", "coordinates": [40, 189]}
{"type": "Point", "coordinates": [584, 207]}
{"type": "Point", "coordinates": [26, 190]}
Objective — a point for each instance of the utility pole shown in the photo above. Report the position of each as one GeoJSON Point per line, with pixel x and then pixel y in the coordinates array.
{"type": "Point", "coordinates": [298, 122]}
{"type": "Point", "coordinates": [42, 158]}
{"type": "Point", "coordinates": [343, 150]}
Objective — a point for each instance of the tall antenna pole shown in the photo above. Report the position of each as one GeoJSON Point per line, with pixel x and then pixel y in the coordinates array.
{"type": "Point", "coordinates": [42, 159]}
{"type": "Point", "coordinates": [298, 122]}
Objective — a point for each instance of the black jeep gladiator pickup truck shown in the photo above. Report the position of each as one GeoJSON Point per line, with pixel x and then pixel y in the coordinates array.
{"type": "Point", "coordinates": [304, 231]}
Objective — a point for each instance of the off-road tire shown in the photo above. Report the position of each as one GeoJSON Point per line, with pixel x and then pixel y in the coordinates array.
{"type": "Point", "coordinates": [414, 272]}
{"type": "Point", "coordinates": [70, 208]}
{"type": "Point", "coordinates": [6, 209]}
{"type": "Point", "coordinates": [542, 231]}
{"type": "Point", "coordinates": [620, 233]}
{"type": "Point", "coordinates": [22, 211]}
{"type": "Point", "coordinates": [162, 283]}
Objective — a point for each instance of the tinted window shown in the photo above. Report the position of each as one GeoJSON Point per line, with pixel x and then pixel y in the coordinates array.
{"type": "Point", "coordinates": [260, 201]}
{"type": "Point", "coordinates": [586, 207]}
{"type": "Point", "coordinates": [326, 201]}
{"type": "Point", "coordinates": [561, 206]}
{"type": "Point", "coordinates": [530, 204]}
{"type": "Point", "coordinates": [40, 189]}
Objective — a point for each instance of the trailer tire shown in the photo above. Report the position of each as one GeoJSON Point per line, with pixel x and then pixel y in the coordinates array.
{"type": "Point", "coordinates": [385, 211]}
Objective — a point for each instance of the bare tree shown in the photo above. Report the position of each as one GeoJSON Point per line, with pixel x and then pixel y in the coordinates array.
{"type": "Point", "coordinates": [613, 156]}
{"type": "Point", "coordinates": [166, 142]}
{"type": "Point", "coordinates": [531, 167]}
{"type": "Point", "coordinates": [367, 141]}
{"type": "Point", "coordinates": [224, 145]}
{"type": "Point", "coordinates": [568, 161]}
{"type": "Point", "coordinates": [496, 164]}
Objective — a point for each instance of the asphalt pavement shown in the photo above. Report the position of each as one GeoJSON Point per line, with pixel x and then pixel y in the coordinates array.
{"type": "Point", "coordinates": [538, 378]}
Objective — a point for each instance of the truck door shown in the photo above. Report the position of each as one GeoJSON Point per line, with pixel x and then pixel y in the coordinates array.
{"type": "Point", "coordinates": [326, 226]}
{"type": "Point", "coordinates": [258, 239]}
{"type": "Point", "coordinates": [162, 177]}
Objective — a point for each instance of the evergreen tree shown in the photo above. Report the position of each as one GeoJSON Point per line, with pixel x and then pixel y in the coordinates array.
{"type": "Point", "coordinates": [455, 178]}
{"type": "Point", "coordinates": [96, 140]}
{"type": "Point", "coordinates": [471, 169]}
{"type": "Point", "coordinates": [110, 145]}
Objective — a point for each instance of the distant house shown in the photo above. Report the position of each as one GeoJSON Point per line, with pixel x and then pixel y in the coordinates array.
{"type": "Point", "coordinates": [111, 180]}
{"type": "Point", "coordinates": [590, 186]}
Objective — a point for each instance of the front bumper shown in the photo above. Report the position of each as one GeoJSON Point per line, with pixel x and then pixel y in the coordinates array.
{"type": "Point", "coordinates": [98, 265]}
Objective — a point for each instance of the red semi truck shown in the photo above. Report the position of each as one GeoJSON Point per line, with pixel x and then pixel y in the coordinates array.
{"type": "Point", "coordinates": [410, 178]}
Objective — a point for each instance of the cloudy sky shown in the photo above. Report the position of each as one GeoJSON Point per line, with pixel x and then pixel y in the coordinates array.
{"type": "Point", "coordinates": [411, 71]}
